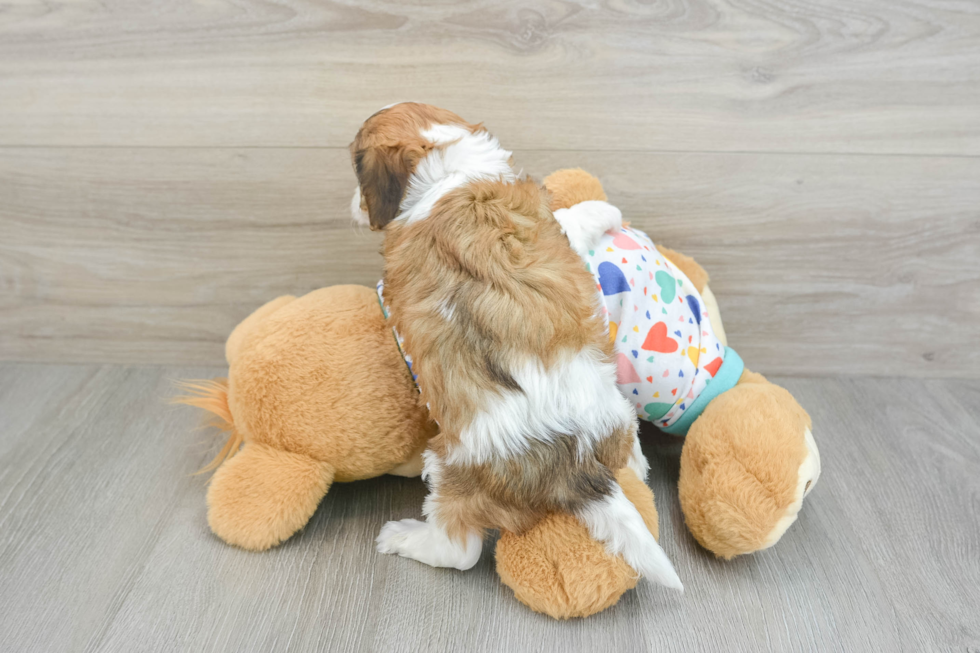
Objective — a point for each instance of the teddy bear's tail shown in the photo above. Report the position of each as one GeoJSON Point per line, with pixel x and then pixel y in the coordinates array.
{"type": "Point", "coordinates": [211, 395]}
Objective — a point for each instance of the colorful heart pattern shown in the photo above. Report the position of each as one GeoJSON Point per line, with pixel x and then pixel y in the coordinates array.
{"type": "Point", "coordinates": [668, 286]}
{"type": "Point", "coordinates": [658, 340]}
{"type": "Point", "coordinates": [625, 372]}
{"type": "Point", "coordinates": [660, 329]}
{"type": "Point", "coordinates": [622, 241]}
{"type": "Point", "coordinates": [611, 279]}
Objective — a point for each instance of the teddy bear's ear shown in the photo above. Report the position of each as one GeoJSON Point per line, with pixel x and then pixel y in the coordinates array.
{"type": "Point", "coordinates": [570, 186]}
{"type": "Point", "coordinates": [749, 376]}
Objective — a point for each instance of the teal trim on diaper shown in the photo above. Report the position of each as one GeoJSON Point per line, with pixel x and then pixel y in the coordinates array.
{"type": "Point", "coordinates": [728, 375]}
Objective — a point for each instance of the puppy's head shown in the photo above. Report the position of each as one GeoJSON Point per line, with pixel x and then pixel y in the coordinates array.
{"type": "Point", "coordinates": [385, 153]}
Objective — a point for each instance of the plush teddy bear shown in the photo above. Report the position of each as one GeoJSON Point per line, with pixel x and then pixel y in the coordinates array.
{"type": "Point", "coordinates": [746, 463]}
{"type": "Point", "coordinates": [318, 392]}
{"type": "Point", "coordinates": [748, 457]}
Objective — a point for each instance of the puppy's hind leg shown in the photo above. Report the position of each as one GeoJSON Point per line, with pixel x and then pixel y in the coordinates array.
{"type": "Point", "coordinates": [429, 543]}
{"type": "Point", "coordinates": [637, 461]}
{"type": "Point", "coordinates": [433, 541]}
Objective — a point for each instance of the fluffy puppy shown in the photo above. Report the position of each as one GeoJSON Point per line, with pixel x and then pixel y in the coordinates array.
{"type": "Point", "coordinates": [502, 323]}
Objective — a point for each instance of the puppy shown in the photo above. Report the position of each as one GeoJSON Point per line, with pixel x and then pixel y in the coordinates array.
{"type": "Point", "coordinates": [507, 342]}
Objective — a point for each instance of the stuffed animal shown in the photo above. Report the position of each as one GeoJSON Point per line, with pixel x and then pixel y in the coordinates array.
{"type": "Point", "coordinates": [747, 459]}
{"type": "Point", "coordinates": [748, 456]}
{"type": "Point", "coordinates": [318, 392]}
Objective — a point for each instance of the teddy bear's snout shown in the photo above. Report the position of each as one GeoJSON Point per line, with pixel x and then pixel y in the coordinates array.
{"type": "Point", "coordinates": [812, 463]}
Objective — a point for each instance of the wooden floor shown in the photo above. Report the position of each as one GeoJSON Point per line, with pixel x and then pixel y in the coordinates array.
{"type": "Point", "coordinates": [104, 543]}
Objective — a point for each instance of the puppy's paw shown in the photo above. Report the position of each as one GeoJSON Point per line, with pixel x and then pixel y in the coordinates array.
{"type": "Point", "coordinates": [396, 536]}
{"type": "Point", "coordinates": [586, 222]}
{"type": "Point", "coordinates": [429, 544]}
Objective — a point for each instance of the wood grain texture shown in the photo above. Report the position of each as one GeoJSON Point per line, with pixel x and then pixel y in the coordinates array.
{"type": "Point", "coordinates": [873, 76]}
{"type": "Point", "coordinates": [165, 167]}
{"type": "Point", "coordinates": [104, 544]}
{"type": "Point", "coordinates": [823, 264]}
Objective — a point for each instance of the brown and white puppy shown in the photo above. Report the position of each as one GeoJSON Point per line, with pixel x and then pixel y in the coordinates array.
{"type": "Point", "coordinates": [503, 325]}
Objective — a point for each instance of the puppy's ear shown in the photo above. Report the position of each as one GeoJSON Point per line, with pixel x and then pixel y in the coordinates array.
{"type": "Point", "coordinates": [382, 173]}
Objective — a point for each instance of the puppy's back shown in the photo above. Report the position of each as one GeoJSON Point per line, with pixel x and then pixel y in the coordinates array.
{"type": "Point", "coordinates": [487, 285]}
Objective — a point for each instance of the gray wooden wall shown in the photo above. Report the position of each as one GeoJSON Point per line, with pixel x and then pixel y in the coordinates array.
{"type": "Point", "coordinates": [167, 166]}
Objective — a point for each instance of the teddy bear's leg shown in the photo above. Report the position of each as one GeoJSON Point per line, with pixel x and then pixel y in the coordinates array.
{"type": "Point", "coordinates": [262, 496]}
{"type": "Point", "coordinates": [558, 569]}
{"type": "Point", "coordinates": [411, 467]}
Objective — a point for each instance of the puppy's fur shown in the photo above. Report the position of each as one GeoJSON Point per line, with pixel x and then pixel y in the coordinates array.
{"type": "Point", "coordinates": [502, 322]}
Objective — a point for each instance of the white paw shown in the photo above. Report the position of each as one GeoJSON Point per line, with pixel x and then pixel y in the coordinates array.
{"type": "Point", "coordinates": [429, 544]}
{"type": "Point", "coordinates": [396, 536]}
{"type": "Point", "coordinates": [586, 222]}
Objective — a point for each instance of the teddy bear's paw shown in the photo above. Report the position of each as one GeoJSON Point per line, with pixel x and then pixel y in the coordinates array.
{"type": "Point", "coordinates": [429, 544]}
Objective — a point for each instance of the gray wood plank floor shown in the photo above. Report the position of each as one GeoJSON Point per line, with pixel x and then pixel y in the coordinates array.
{"type": "Point", "coordinates": [104, 544]}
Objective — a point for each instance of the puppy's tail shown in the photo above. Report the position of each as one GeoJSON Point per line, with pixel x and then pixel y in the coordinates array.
{"type": "Point", "coordinates": [615, 521]}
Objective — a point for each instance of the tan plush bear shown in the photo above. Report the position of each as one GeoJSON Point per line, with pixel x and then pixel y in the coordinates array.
{"type": "Point", "coordinates": [318, 392]}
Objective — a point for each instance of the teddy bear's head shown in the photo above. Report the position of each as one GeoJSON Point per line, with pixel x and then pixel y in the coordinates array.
{"type": "Point", "coordinates": [745, 468]}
